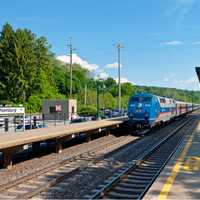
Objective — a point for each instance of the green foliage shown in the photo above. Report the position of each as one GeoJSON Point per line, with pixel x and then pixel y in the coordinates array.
{"type": "Point", "coordinates": [125, 100]}
{"type": "Point", "coordinates": [127, 89]}
{"type": "Point", "coordinates": [25, 65]}
{"type": "Point", "coordinates": [7, 68]}
{"type": "Point", "coordinates": [61, 77]}
{"type": "Point", "coordinates": [110, 83]}
{"type": "Point", "coordinates": [107, 100]}
{"type": "Point", "coordinates": [91, 97]}
{"type": "Point", "coordinates": [34, 104]}
{"type": "Point", "coordinates": [87, 110]}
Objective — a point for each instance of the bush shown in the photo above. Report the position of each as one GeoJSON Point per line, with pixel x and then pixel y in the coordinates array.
{"type": "Point", "coordinates": [33, 105]}
{"type": "Point", "coordinates": [87, 111]}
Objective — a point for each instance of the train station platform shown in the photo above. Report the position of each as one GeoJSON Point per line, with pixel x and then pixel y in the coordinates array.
{"type": "Point", "coordinates": [180, 178]}
{"type": "Point", "coordinates": [13, 142]}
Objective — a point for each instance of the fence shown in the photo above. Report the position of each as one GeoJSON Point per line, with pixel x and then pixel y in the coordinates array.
{"type": "Point", "coordinates": [15, 123]}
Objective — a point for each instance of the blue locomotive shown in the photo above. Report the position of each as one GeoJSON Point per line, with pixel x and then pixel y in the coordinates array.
{"type": "Point", "coordinates": [148, 110]}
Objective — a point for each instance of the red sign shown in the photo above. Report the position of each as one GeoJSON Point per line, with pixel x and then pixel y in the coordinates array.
{"type": "Point", "coordinates": [58, 108]}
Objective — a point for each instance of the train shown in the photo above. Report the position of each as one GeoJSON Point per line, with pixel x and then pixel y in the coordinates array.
{"type": "Point", "coordinates": [149, 110]}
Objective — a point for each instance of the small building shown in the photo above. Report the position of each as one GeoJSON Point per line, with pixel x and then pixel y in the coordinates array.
{"type": "Point", "coordinates": [59, 109]}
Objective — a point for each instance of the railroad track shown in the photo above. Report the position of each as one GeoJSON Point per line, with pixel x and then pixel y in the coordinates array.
{"type": "Point", "coordinates": [35, 183]}
{"type": "Point", "coordinates": [134, 179]}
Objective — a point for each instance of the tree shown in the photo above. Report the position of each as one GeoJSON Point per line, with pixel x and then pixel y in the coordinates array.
{"type": "Point", "coordinates": [24, 62]}
{"type": "Point", "coordinates": [110, 83]}
{"type": "Point", "coordinates": [127, 89]}
{"type": "Point", "coordinates": [25, 65]}
{"type": "Point", "coordinates": [87, 110]}
{"type": "Point", "coordinates": [107, 100]}
{"type": "Point", "coordinates": [7, 65]}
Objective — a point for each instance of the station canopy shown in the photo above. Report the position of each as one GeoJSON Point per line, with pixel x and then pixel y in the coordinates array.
{"type": "Point", "coordinates": [198, 72]}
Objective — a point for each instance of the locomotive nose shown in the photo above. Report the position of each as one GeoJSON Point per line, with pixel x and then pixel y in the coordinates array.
{"type": "Point", "coordinates": [146, 115]}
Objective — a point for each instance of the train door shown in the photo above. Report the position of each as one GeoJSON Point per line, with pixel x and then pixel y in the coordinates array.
{"type": "Point", "coordinates": [187, 107]}
{"type": "Point", "coordinates": [157, 107]}
{"type": "Point", "coordinates": [176, 109]}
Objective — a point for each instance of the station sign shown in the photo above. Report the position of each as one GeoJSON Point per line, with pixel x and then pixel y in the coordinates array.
{"type": "Point", "coordinates": [58, 108]}
{"type": "Point", "coordinates": [11, 110]}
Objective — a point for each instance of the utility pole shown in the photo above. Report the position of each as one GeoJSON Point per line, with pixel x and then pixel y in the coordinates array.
{"type": "Point", "coordinates": [98, 105]}
{"type": "Point", "coordinates": [85, 99]}
{"type": "Point", "coordinates": [70, 64]}
{"type": "Point", "coordinates": [119, 47]}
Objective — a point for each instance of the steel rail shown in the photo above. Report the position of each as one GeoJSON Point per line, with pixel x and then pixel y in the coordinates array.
{"type": "Point", "coordinates": [57, 165]}
{"type": "Point", "coordinates": [112, 182]}
{"type": "Point", "coordinates": [59, 178]}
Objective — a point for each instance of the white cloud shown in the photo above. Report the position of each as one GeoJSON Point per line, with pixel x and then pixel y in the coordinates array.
{"type": "Point", "coordinates": [192, 80]}
{"type": "Point", "coordinates": [112, 65]}
{"type": "Point", "coordinates": [170, 77]}
{"type": "Point", "coordinates": [188, 83]}
{"type": "Point", "coordinates": [175, 81]}
{"type": "Point", "coordinates": [78, 60]}
{"type": "Point", "coordinates": [123, 80]}
{"type": "Point", "coordinates": [172, 43]}
{"type": "Point", "coordinates": [100, 74]}
{"type": "Point", "coordinates": [166, 79]}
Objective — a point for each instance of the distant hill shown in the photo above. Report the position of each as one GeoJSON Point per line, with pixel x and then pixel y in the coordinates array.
{"type": "Point", "coordinates": [178, 94]}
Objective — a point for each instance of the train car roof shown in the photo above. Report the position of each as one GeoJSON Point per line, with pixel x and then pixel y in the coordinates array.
{"type": "Point", "coordinates": [143, 94]}
{"type": "Point", "coordinates": [147, 94]}
{"type": "Point", "coordinates": [150, 95]}
{"type": "Point", "coordinates": [182, 102]}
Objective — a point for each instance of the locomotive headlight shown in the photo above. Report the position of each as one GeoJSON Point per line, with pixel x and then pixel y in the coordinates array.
{"type": "Point", "coordinates": [139, 105]}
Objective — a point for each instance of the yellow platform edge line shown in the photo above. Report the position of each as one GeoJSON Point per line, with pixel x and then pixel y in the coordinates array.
{"type": "Point", "coordinates": [170, 180]}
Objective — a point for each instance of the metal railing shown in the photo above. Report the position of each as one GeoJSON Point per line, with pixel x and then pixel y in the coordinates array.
{"type": "Point", "coordinates": [32, 121]}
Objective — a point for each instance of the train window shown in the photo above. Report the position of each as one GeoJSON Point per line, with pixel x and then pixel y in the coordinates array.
{"type": "Point", "coordinates": [162, 100]}
{"type": "Point", "coordinates": [135, 99]}
{"type": "Point", "coordinates": [141, 99]}
{"type": "Point", "coordinates": [146, 99]}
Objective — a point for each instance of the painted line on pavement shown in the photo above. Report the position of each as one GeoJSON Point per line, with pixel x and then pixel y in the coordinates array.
{"type": "Point", "coordinates": [170, 180]}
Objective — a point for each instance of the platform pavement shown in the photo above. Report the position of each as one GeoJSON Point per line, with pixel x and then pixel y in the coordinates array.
{"type": "Point", "coordinates": [180, 178]}
{"type": "Point", "coordinates": [15, 141]}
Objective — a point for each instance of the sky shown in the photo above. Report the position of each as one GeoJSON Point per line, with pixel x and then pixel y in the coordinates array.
{"type": "Point", "coordinates": [161, 38]}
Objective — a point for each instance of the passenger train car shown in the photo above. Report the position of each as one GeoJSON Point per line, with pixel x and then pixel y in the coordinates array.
{"type": "Point", "coordinates": [148, 110]}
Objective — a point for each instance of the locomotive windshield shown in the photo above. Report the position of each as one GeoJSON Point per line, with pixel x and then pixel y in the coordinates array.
{"type": "Point", "coordinates": [141, 99]}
